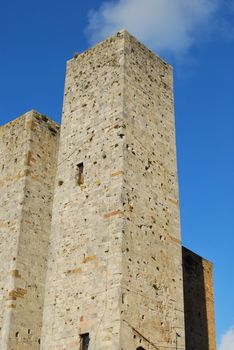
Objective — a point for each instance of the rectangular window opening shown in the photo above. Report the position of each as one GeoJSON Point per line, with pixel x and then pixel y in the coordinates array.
{"type": "Point", "coordinates": [80, 173]}
{"type": "Point", "coordinates": [84, 341]}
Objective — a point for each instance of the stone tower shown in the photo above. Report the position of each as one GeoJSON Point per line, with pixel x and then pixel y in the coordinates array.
{"type": "Point", "coordinates": [198, 302]}
{"type": "Point", "coordinates": [28, 148]}
{"type": "Point", "coordinates": [114, 278]}
{"type": "Point", "coordinates": [90, 248]}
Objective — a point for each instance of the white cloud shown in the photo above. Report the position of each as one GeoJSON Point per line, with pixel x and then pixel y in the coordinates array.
{"type": "Point", "coordinates": [227, 341]}
{"type": "Point", "coordinates": [167, 26]}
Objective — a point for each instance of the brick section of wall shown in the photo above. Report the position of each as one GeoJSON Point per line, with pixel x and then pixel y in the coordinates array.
{"type": "Point", "coordinates": [115, 265]}
{"type": "Point", "coordinates": [28, 149]}
{"type": "Point", "coordinates": [198, 302]}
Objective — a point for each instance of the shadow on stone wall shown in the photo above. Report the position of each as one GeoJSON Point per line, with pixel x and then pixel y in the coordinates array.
{"type": "Point", "coordinates": [196, 318]}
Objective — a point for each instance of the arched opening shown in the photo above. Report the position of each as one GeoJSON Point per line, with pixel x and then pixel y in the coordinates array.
{"type": "Point", "coordinates": [140, 348]}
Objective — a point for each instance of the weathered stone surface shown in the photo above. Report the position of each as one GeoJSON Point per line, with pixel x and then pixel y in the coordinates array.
{"type": "Point", "coordinates": [28, 148]}
{"type": "Point", "coordinates": [198, 302]}
{"type": "Point", "coordinates": [120, 229]}
{"type": "Point", "coordinates": [108, 267]}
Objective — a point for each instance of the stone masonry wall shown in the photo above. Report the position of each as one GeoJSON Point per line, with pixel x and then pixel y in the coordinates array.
{"type": "Point", "coordinates": [28, 149]}
{"type": "Point", "coordinates": [84, 273]}
{"type": "Point", "coordinates": [152, 313]}
{"type": "Point", "coordinates": [198, 302]}
{"type": "Point", "coordinates": [110, 266]}
{"type": "Point", "coordinates": [12, 179]}
{"type": "Point", "coordinates": [115, 252]}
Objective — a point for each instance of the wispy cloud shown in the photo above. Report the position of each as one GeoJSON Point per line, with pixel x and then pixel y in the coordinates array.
{"type": "Point", "coordinates": [227, 341]}
{"type": "Point", "coordinates": [167, 26]}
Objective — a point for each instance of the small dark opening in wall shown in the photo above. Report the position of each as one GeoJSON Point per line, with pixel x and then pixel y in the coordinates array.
{"type": "Point", "coordinates": [140, 348]}
{"type": "Point", "coordinates": [80, 173]}
{"type": "Point", "coordinates": [53, 131]}
{"type": "Point", "coordinates": [84, 341]}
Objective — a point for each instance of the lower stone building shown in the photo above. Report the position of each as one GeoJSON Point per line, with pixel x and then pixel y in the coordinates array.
{"type": "Point", "coordinates": [91, 254]}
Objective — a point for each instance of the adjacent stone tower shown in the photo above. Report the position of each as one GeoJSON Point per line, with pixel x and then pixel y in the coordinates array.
{"type": "Point", "coordinates": [28, 155]}
{"type": "Point", "coordinates": [114, 278]}
{"type": "Point", "coordinates": [198, 302]}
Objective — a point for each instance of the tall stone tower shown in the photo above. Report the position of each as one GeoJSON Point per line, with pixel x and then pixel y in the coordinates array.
{"type": "Point", "coordinates": [114, 278]}
{"type": "Point", "coordinates": [104, 269]}
{"type": "Point", "coordinates": [28, 155]}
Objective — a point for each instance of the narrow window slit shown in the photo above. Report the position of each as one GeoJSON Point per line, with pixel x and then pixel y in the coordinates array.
{"type": "Point", "coordinates": [80, 173]}
{"type": "Point", "coordinates": [84, 341]}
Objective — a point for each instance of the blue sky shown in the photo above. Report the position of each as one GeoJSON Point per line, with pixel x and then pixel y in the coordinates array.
{"type": "Point", "coordinates": [197, 38]}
